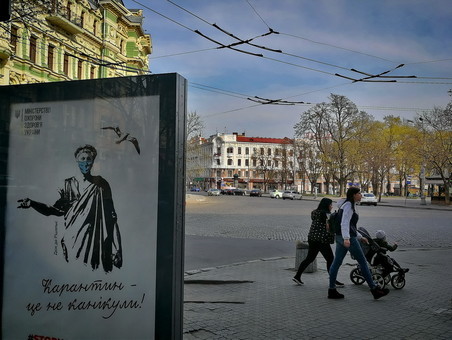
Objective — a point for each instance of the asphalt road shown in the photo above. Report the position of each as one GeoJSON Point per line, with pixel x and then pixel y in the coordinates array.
{"type": "Point", "coordinates": [230, 229]}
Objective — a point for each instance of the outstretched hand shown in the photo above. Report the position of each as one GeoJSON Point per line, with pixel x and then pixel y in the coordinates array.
{"type": "Point", "coordinates": [24, 203]}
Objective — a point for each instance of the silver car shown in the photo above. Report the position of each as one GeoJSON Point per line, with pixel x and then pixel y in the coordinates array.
{"type": "Point", "coordinates": [369, 199]}
{"type": "Point", "coordinates": [275, 193]}
{"type": "Point", "coordinates": [213, 192]}
{"type": "Point", "coordinates": [292, 195]}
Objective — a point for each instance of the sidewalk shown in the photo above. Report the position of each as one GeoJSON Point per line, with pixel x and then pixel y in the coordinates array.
{"type": "Point", "coordinates": [258, 300]}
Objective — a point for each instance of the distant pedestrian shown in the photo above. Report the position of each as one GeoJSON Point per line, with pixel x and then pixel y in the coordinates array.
{"type": "Point", "coordinates": [347, 239]}
{"type": "Point", "coordinates": [319, 239]}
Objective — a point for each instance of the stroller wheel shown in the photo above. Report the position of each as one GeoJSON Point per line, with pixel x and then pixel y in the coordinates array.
{"type": "Point", "coordinates": [398, 281]}
{"type": "Point", "coordinates": [355, 276]}
{"type": "Point", "coordinates": [379, 279]}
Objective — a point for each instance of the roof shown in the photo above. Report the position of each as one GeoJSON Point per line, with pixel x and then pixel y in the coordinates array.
{"type": "Point", "coordinates": [284, 140]}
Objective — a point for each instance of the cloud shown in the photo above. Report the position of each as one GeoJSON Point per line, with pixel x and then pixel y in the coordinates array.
{"type": "Point", "coordinates": [385, 32]}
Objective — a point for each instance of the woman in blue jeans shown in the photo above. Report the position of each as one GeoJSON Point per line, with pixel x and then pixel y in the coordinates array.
{"type": "Point", "coordinates": [348, 240]}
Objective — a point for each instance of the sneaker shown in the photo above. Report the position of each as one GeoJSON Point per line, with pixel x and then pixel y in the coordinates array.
{"type": "Point", "coordinates": [334, 294]}
{"type": "Point", "coordinates": [297, 281]}
{"type": "Point", "coordinates": [339, 284]}
{"type": "Point", "coordinates": [378, 292]}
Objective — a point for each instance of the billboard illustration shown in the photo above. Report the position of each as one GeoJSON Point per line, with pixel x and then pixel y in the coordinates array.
{"type": "Point", "coordinates": [91, 232]}
{"type": "Point", "coordinates": [81, 218]}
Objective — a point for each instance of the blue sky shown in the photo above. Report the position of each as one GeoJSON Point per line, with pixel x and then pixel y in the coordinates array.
{"type": "Point", "coordinates": [318, 39]}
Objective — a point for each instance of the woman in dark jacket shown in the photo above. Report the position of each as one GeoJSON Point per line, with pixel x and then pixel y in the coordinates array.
{"type": "Point", "coordinates": [319, 239]}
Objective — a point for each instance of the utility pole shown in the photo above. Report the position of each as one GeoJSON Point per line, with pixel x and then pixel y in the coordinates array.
{"type": "Point", "coordinates": [422, 179]}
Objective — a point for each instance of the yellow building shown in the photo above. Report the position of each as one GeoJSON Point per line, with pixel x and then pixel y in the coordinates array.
{"type": "Point", "coordinates": [59, 40]}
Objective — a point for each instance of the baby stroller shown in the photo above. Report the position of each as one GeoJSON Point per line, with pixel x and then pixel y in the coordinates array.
{"type": "Point", "coordinates": [397, 279]}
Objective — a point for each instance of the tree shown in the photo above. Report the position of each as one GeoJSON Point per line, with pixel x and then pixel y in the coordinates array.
{"type": "Point", "coordinates": [334, 126]}
{"type": "Point", "coordinates": [265, 166]}
{"type": "Point", "coordinates": [195, 125]}
{"type": "Point", "coordinates": [436, 151]}
{"type": "Point", "coordinates": [194, 157]}
{"type": "Point", "coordinates": [285, 159]}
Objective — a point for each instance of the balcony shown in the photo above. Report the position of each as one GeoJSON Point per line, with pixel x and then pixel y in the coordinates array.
{"type": "Point", "coordinates": [66, 20]}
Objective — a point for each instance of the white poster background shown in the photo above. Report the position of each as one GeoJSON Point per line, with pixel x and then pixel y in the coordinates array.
{"type": "Point", "coordinates": [45, 296]}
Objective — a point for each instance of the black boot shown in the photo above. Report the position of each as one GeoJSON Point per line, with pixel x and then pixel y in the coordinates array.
{"type": "Point", "coordinates": [334, 294]}
{"type": "Point", "coordinates": [378, 292]}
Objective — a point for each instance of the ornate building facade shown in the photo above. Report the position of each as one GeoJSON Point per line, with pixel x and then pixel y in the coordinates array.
{"type": "Point", "coordinates": [60, 40]}
{"type": "Point", "coordinates": [235, 160]}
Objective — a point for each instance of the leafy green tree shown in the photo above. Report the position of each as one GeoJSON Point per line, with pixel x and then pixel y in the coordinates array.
{"type": "Point", "coordinates": [436, 150]}
{"type": "Point", "coordinates": [334, 126]}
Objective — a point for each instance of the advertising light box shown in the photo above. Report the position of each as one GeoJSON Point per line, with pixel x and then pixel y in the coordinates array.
{"type": "Point", "coordinates": [92, 208]}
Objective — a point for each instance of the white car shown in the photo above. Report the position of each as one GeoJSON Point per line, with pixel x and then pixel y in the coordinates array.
{"type": "Point", "coordinates": [368, 199]}
{"type": "Point", "coordinates": [292, 195]}
{"type": "Point", "coordinates": [275, 193]}
{"type": "Point", "coordinates": [213, 192]}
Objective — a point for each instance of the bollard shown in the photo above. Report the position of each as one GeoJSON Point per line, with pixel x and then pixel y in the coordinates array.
{"type": "Point", "coordinates": [300, 254]}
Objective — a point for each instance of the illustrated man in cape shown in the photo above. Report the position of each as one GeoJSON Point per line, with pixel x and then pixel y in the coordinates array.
{"type": "Point", "coordinates": [91, 225]}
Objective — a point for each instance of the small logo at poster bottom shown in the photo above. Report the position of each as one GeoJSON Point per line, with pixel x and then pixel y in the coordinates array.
{"type": "Point", "coordinates": [42, 337]}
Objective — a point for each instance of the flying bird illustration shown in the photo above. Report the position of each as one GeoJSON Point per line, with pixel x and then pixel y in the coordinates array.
{"type": "Point", "coordinates": [123, 136]}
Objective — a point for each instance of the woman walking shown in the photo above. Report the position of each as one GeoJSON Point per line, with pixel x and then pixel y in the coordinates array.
{"type": "Point", "coordinates": [347, 239]}
{"type": "Point", "coordinates": [319, 239]}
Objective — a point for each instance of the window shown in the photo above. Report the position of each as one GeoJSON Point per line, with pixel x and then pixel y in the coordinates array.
{"type": "Point", "coordinates": [66, 64]}
{"type": "Point", "coordinates": [254, 162]}
{"type": "Point", "coordinates": [269, 163]}
{"type": "Point", "coordinates": [239, 150]}
{"type": "Point", "coordinates": [229, 161]}
{"type": "Point", "coordinates": [218, 162]}
{"type": "Point", "coordinates": [262, 151]}
{"type": "Point", "coordinates": [50, 54]}
{"type": "Point", "coordinates": [13, 39]}
{"type": "Point", "coordinates": [33, 49]}
{"type": "Point", "coordinates": [68, 11]}
{"type": "Point", "coordinates": [247, 174]}
{"type": "Point", "coordinates": [79, 69]}
{"type": "Point", "coordinates": [92, 72]}
{"type": "Point", "coordinates": [247, 151]}
{"type": "Point", "coordinates": [230, 150]}
{"type": "Point", "coordinates": [229, 173]}
{"type": "Point", "coordinates": [239, 162]}
{"type": "Point", "coordinates": [95, 27]}
{"type": "Point", "coordinates": [276, 164]}
{"type": "Point", "coordinates": [247, 162]}
{"type": "Point", "coordinates": [269, 151]}
{"type": "Point", "coordinates": [82, 19]}
{"type": "Point", "coordinates": [218, 173]}
{"type": "Point", "coordinates": [276, 152]}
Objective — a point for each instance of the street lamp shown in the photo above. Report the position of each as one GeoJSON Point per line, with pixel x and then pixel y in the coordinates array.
{"type": "Point", "coordinates": [422, 174]}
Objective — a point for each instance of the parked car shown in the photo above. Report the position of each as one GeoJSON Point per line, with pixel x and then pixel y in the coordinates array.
{"type": "Point", "coordinates": [239, 192]}
{"type": "Point", "coordinates": [195, 189]}
{"type": "Point", "coordinates": [256, 192]}
{"type": "Point", "coordinates": [275, 193]}
{"type": "Point", "coordinates": [228, 191]}
{"type": "Point", "coordinates": [213, 192]}
{"type": "Point", "coordinates": [369, 199]}
{"type": "Point", "coordinates": [292, 195]}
